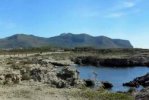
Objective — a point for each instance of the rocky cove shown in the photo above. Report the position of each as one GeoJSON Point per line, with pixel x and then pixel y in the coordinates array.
{"type": "Point", "coordinates": [119, 75]}
{"type": "Point", "coordinates": [58, 70]}
{"type": "Point", "coordinates": [38, 68]}
{"type": "Point", "coordinates": [139, 64]}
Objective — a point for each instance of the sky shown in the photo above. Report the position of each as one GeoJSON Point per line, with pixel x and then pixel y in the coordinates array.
{"type": "Point", "coordinates": [124, 19]}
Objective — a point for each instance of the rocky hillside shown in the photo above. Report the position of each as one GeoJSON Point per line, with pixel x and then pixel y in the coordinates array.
{"type": "Point", "coordinates": [67, 40]}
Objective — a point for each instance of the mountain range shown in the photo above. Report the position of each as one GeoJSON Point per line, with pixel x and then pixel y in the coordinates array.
{"type": "Point", "coordinates": [65, 40]}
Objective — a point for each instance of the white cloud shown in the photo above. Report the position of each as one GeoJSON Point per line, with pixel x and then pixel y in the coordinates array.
{"type": "Point", "coordinates": [125, 4]}
{"type": "Point", "coordinates": [119, 9]}
{"type": "Point", "coordinates": [129, 4]}
{"type": "Point", "coordinates": [123, 8]}
{"type": "Point", "coordinates": [115, 15]}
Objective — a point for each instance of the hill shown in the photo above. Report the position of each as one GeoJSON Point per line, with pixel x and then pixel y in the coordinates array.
{"type": "Point", "coordinates": [66, 40]}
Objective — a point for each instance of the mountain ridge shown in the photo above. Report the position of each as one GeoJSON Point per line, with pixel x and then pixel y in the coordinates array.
{"type": "Point", "coordinates": [66, 40]}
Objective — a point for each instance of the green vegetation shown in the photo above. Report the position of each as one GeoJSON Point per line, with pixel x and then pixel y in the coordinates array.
{"type": "Point", "coordinates": [100, 53]}
{"type": "Point", "coordinates": [65, 53]}
{"type": "Point", "coordinates": [102, 95]}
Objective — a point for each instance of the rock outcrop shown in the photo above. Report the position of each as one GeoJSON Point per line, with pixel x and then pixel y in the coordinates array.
{"type": "Point", "coordinates": [43, 70]}
{"type": "Point", "coordinates": [143, 94]}
{"type": "Point", "coordinates": [143, 81]}
{"type": "Point", "coordinates": [10, 78]}
{"type": "Point", "coordinates": [107, 85]}
{"type": "Point", "coordinates": [89, 83]}
{"type": "Point", "coordinates": [116, 62]}
{"type": "Point", "coordinates": [70, 76]}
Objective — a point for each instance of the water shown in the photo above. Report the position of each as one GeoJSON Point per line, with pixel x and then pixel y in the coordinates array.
{"type": "Point", "coordinates": [116, 76]}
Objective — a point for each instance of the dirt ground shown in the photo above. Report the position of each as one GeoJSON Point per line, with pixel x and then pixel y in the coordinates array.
{"type": "Point", "coordinates": [36, 92]}
{"type": "Point", "coordinates": [31, 90]}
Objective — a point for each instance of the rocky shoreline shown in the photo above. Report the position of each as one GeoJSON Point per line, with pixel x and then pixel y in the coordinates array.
{"type": "Point", "coordinates": [35, 69]}
{"type": "Point", "coordinates": [43, 69]}
{"type": "Point", "coordinates": [122, 62]}
{"type": "Point", "coordinates": [57, 74]}
{"type": "Point", "coordinates": [139, 81]}
{"type": "Point", "coordinates": [111, 62]}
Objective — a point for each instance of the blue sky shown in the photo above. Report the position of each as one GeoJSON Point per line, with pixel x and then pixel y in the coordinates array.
{"type": "Point", "coordinates": [125, 19]}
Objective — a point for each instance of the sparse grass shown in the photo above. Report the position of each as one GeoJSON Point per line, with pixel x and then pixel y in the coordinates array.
{"type": "Point", "coordinates": [101, 95]}
{"type": "Point", "coordinates": [101, 53]}
{"type": "Point", "coordinates": [61, 56]}
{"type": "Point", "coordinates": [70, 55]}
{"type": "Point", "coordinates": [25, 92]}
{"type": "Point", "coordinates": [22, 94]}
